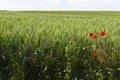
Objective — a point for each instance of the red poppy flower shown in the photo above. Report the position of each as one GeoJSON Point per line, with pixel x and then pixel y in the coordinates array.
{"type": "Point", "coordinates": [95, 55]}
{"type": "Point", "coordinates": [92, 35]}
{"type": "Point", "coordinates": [102, 33]}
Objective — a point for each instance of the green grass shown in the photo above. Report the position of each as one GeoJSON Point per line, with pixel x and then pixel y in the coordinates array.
{"type": "Point", "coordinates": [56, 45]}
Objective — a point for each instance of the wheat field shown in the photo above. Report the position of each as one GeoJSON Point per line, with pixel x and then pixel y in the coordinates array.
{"type": "Point", "coordinates": [56, 45]}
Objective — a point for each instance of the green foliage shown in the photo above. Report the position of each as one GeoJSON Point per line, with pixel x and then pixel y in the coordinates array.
{"type": "Point", "coordinates": [56, 46]}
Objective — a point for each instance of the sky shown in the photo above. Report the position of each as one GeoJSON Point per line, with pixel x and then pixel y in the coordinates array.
{"type": "Point", "coordinates": [110, 5]}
